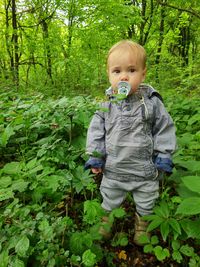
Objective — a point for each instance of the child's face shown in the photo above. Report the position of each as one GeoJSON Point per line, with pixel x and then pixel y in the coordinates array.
{"type": "Point", "coordinates": [125, 66]}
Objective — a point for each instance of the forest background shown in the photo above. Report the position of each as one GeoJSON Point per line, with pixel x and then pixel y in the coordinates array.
{"type": "Point", "coordinates": [52, 76]}
{"type": "Point", "coordinates": [60, 47]}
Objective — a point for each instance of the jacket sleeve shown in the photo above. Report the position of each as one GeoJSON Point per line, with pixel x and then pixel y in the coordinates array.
{"type": "Point", "coordinates": [95, 144]}
{"type": "Point", "coordinates": [164, 136]}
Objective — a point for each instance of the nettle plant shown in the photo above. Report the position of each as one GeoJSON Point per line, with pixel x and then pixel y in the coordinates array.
{"type": "Point", "coordinates": [176, 217]}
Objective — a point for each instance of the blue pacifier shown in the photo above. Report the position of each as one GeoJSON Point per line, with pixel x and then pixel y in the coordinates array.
{"type": "Point", "coordinates": [124, 88]}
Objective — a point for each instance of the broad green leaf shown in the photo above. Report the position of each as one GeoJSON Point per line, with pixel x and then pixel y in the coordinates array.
{"type": "Point", "coordinates": [154, 240]}
{"type": "Point", "coordinates": [31, 164]}
{"type": "Point", "coordinates": [81, 179]}
{"type": "Point", "coordinates": [195, 118]}
{"type": "Point", "coordinates": [186, 138]}
{"type": "Point", "coordinates": [161, 253]}
{"type": "Point", "coordinates": [19, 185]}
{"type": "Point", "coordinates": [75, 259]}
{"type": "Point", "coordinates": [155, 223]}
{"type": "Point", "coordinates": [6, 194]}
{"type": "Point", "coordinates": [12, 168]}
{"type": "Point", "coordinates": [79, 242]}
{"type": "Point", "coordinates": [118, 213]}
{"type": "Point", "coordinates": [46, 230]}
{"type": "Point", "coordinates": [175, 225]}
{"type": "Point", "coordinates": [192, 182]}
{"type": "Point", "coordinates": [162, 210]}
{"type": "Point", "coordinates": [176, 255]}
{"type": "Point", "coordinates": [120, 239]}
{"type": "Point", "coordinates": [191, 227]}
{"type": "Point", "coordinates": [185, 192]}
{"type": "Point", "coordinates": [5, 181]}
{"type": "Point", "coordinates": [189, 206]}
{"type": "Point", "coordinates": [148, 248]}
{"type": "Point", "coordinates": [175, 244]}
{"type": "Point", "coordinates": [22, 246]}
{"type": "Point", "coordinates": [92, 211]}
{"type": "Point", "coordinates": [191, 165]}
{"type": "Point", "coordinates": [35, 169]}
{"type": "Point", "coordinates": [8, 132]}
{"type": "Point", "coordinates": [18, 263]}
{"type": "Point", "coordinates": [4, 258]}
{"type": "Point", "coordinates": [144, 239]}
{"type": "Point", "coordinates": [88, 258]}
{"type": "Point", "coordinates": [187, 250]}
{"type": "Point", "coordinates": [164, 229]}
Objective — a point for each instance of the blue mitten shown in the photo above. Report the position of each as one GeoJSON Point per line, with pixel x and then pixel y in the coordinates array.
{"type": "Point", "coordinates": [94, 163]}
{"type": "Point", "coordinates": [164, 164]}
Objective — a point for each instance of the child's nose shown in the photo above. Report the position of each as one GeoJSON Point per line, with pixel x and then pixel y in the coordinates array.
{"type": "Point", "coordinates": [124, 76]}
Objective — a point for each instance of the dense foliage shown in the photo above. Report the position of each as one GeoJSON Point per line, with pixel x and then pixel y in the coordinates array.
{"type": "Point", "coordinates": [52, 74]}
{"type": "Point", "coordinates": [50, 207]}
{"type": "Point", "coordinates": [60, 47]}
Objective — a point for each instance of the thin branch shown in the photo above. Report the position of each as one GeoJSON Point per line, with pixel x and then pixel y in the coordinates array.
{"type": "Point", "coordinates": [191, 11]}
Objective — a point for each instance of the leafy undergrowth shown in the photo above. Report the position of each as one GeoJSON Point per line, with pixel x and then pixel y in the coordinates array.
{"type": "Point", "coordinates": [50, 209]}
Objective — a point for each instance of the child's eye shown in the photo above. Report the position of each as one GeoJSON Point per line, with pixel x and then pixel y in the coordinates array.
{"type": "Point", "coordinates": [116, 71]}
{"type": "Point", "coordinates": [132, 70]}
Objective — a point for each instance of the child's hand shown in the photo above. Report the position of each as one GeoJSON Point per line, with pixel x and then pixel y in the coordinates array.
{"type": "Point", "coordinates": [164, 165]}
{"type": "Point", "coordinates": [96, 170]}
{"type": "Point", "coordinates": [95, 164]}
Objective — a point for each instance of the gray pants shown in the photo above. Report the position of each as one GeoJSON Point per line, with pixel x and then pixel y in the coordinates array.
{"type": "Point", "coordinates": [144, 194]}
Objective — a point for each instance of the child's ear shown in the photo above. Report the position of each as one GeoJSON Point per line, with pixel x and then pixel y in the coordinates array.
{"type": "Point", "coordinates": [144, 74]}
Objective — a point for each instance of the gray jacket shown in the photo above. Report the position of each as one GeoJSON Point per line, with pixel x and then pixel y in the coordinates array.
{"type": "Point", "coordinates": [130, 133]}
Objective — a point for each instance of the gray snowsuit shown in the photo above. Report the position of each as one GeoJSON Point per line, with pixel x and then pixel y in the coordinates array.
{"type": "Point", "coordinates": [129, 134]}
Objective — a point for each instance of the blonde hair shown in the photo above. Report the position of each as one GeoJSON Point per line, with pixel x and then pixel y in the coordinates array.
{"type": "Point", "coordinates": [133, 46]}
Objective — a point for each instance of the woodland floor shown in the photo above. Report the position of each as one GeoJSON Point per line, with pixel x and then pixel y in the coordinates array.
{"type": "Point", "coordinates": [133, 255]}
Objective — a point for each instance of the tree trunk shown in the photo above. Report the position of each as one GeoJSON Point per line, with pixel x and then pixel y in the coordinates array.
{"type": "Point", "coordinates": [184, 44]}
{"type": "Point", "coordinates": [161, 35]}
{"type": "Point", "coordinates": [15, 57]}
{"type": "Point", "coordinates": [47, 48]}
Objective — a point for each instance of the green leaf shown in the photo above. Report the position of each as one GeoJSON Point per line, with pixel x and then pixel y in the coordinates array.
{"type": "Point", "coordinates": [6, 194]}
{"type": "Point", "coordinates": [164, 228]}
{"type": "Point", "coordinates": [4, 258]}
{"type": "Point", "coordinates": [155, 223]}
{"type": "Point", "coordinates": [5, 181]}
{"type": "Point", "coordinates": [120, 239]}
{"type": "Point", "coordinates": [148, 248]}
{"type": "Point", "coordinates": [175, 244]}
{"type": "Point", "coordinates": [154, 240]}
{"type": "Point", "coordinates": [12, 168]}
{"type": "Point", "coordinates": [144, 239]}
{"type": "Point", "coordinates": [22, 246]}
{"type": "Point", "coordinates": [192, 182]}
{"type": "Point", "coordinates": [31, 164]}
{"type": "Point", "coordinates": [187, 250]}
{"type": "Point", "coordinates": [195, 118]}
{"type": "Point", "coordinates": [19, 185]}
{"type": "Point", "coordinates": [161, 253]}
{"type": "Point", "coordinates": [175, 225]}
{"type": "Point", "coordinates": [176, 255]}
{"type": "Point", "coordinates": [191, 227]}
{"type": "Point", "coordinates": [189, 206]}
{"type": "Point", "coordinates": [8, 132]}
{"type": "Point", "coordinates": [162, 210]}
{"type": "Point", "coordinates": [18, 263]}
{"type": "Point", "coordinates": [118, 213]}
{"type": "Point", "coordinates": [191, 165]}
{"type": "Point", "coordinates": [81, 179]}
{"type": "Point", "coordinates": [92, 211]}
{"type": "Point", "coordinates": [79, 242]}
{"type": "Point", "coordinates": [75, 259]}
{"type": "Point", "coordinates": [88, 258]}
{"type": "Point", "coordinates": [46, 230]}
